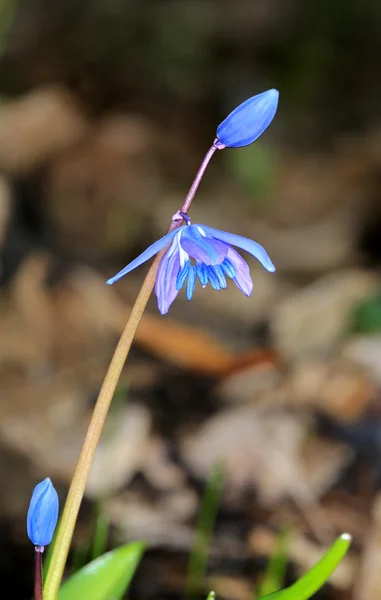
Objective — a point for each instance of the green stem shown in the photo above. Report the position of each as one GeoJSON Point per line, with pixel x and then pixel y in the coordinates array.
{"type": "Point", "coordinates": [81, 473]}
{"type": "Point", "coordinates": [198, 560]}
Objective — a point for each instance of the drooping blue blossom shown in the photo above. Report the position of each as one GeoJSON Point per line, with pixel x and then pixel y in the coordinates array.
{"type": "Point", "coordinates": [42, 514]}
{"type": "Point", "coordinates": [248, 121]}
{"type": "Point", "coordinates": [203, 253]}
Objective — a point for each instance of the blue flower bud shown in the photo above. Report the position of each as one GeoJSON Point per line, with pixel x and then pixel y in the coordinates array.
{"type": "Point", "coordinates": [42, 514]}
{"type": "Point", "coordinates": [249, 120]}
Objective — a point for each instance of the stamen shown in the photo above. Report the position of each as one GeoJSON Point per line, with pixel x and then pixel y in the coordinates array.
{"type": "Point", "coordinates": [202, 272]}
{"type": "Point", "coordinates": [220, 275]}
{"type": "Point", "coordinates": [228, 268]}
{"type": "Point", "coordinates": [191, 283]}
{"type": "Point", "coordinates": [213, 279]}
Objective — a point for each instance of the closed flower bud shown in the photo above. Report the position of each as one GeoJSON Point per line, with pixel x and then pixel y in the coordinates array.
{"type": "Point", "coordinates": [248, 121]}
{"type": "Point", "coordinates": [42, 514]}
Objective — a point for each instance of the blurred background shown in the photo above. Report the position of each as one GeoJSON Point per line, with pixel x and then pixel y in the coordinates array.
{"type": "Point", "coordinates": [106, 111]}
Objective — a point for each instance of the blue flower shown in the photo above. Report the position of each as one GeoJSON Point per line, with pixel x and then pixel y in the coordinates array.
{"type": "Point", "coordinates": [248, 121]}
{"type": "Point", "coordinates": [199, 252]}
{"type": "Point", "coordinates": [42, 514]}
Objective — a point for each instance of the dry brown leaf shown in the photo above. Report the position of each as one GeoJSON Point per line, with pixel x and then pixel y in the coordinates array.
{"type": "Point", "coordinates": [337, 386]}
{"type": "Point", "coordinates": [37, 126]}
{"type": "Point", "coordinates": [252, 384]}
{"type": "Point", "coordinates": [231, 587]}
{"type": "Point", "coordinates": [345, 515]}
{"type": "Point", "coordinates": [158, 523]}
{"type": "Point", "coordinates": [109, 180]}
{"type": "Point", "coordinates": [268, 449]}
{"type": "Point", "coordinates": [165, 338]}
{"type": "Point", "coordinates": [313, 320]}
{"type": "Point", "coordinates": [26, 319]}
{"type": "Point", "coordinates": [323, 462]}
{"type": "Point", "coordinates": [121, 451]}
{"type": "Point", "coordinates": [160, 472]}
{"type": "Point", "coordinates": [365, 350]}
{"type": "Point", "coordinates": [50, 434]}
{"type": "Point", "coordinates": [258, 447]}
{"type": "Point", "coordinates": [368, 580]}
{"type": "Point", "coordinates": [184, 346]}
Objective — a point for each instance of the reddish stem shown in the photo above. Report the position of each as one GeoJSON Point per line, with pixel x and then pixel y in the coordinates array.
{"type": "Point", "coordinates": [38, 550]}
{"type": "Point", "coordinates": [196, 182]}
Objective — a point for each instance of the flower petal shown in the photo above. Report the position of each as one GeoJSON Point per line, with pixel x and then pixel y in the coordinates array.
{"type": "Point", "coordinates": [146, 255]}
{"type": "Point", "coordinates": [165, 285]}
{"type": "Point", "coordinates": [42, 513]}
{"type": "Point", "coordinates": [250, 246]}
{"type": "Point", "coordinates": [200, 247]}
{"type": "Point", "coordinates": [242, 277]}
{"type": "Point", "coordinates": [249, 120]}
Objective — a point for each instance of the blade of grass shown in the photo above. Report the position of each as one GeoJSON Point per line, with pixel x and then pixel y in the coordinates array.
{"type": "Point", "coordinates": [276, 567]}
{"type": "Point", "coordinates": [307, 585]}
{"type": "Point", "coordinates": [101, 529]}
{"type": "Point", "coordinates": [7, 13]}
{"type": "Point", "coordinates": [204, 531]}
{"type": "Point", "coordinates": [80, 555]}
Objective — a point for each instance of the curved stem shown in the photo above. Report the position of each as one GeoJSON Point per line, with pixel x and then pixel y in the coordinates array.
{"type": "Point", "coordinates": [196, 182]}
{"type": "Point", "coordinates": [81, 473]}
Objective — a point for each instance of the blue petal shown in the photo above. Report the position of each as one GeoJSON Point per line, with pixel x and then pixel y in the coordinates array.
{"type": "Point", "coordinates": [249, 120]}
{"type": "Point", "coordinates": [228, 268]}
{"type": "Point", "coordinates": [250, 246]}
{"type": "Point", "coordinates": [242, 277]}
{"type": "Point", "coordinates": [202, 248]}
{"type": "Point", "coordinates": [202, 272]}
{"type": "Point", "coordinates": [191, 283]}
{"type": "Point", "coordinates": [213, 279]}
{"type": "Point", "coordinates": [182, 275]}
{"type": "Point", "coordinates": [42, 514]}
{"type": "Point", "coordinates": [146, 255]}
{"type": "Point", "coordinates": [220, 276]}
{"type": "Point", "coordinates": [165, 285]}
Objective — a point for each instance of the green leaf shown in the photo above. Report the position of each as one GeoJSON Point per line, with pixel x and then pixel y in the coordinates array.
{"type": "Point", "coordinates": [204, 531]}
{"type": "Point", "coordinates": [276, 567]}
{"type": "Point", "coordinates": [366, 316]}
{"type": "Point", "coordinates": [307, 585]}
{"type": "Point", "coordinates": [211, 596]}
{"type": "Point", "coordinates": [79, 555]}
{"type": "Point", "coordinates": [106, 577]}
{"type": "Point", "coordinates": [101, 531]}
